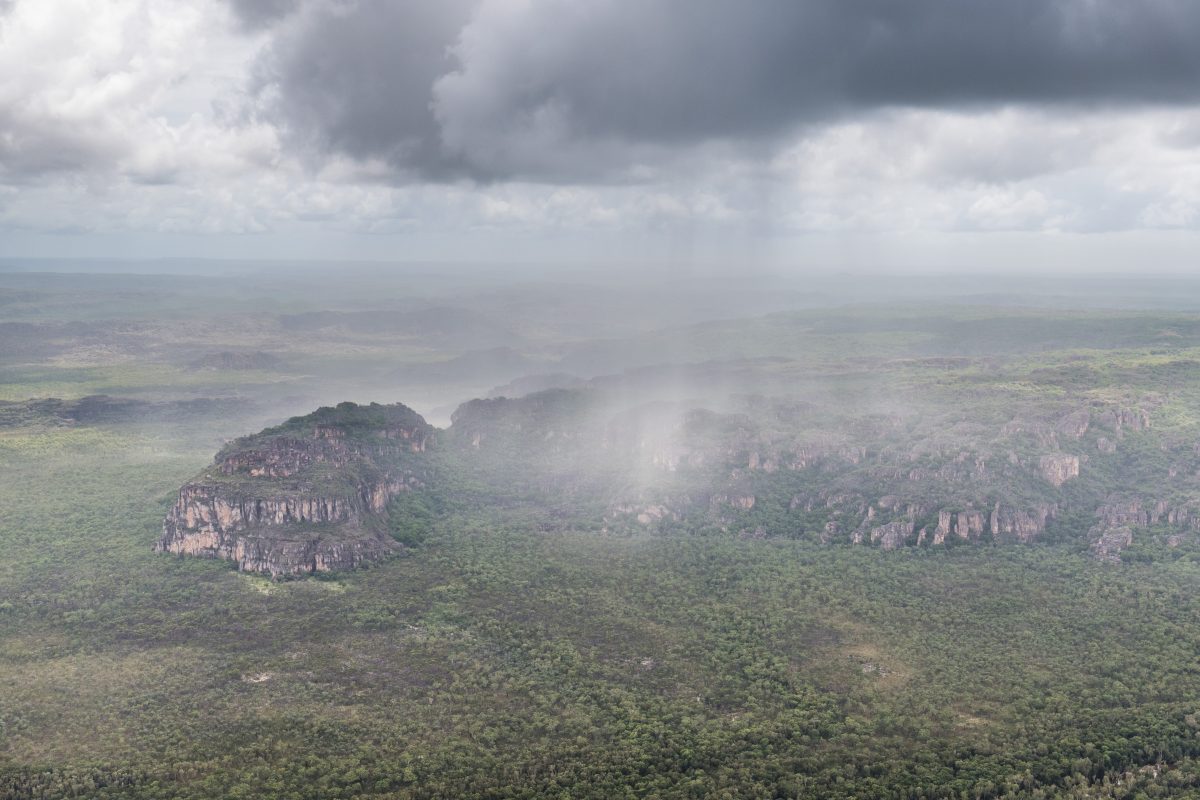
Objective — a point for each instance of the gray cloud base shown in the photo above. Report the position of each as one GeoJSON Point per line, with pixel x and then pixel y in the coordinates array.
{"type": "Point", "coordinates": [261, 13]}
{"type": "Point", "coordinates": [358, 80]}
{"type": "Point", "coordinates": [446, 89]}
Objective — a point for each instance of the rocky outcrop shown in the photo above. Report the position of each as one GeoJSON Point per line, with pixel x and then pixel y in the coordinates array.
{"type": "Point", "coordinates": [203, 507]}
{"type": "Point", "coordinates": [1107, 543]}
{"type": "Point", "coordinates": [282, 457]}
{"type": "Point", "coordinates": [275, 537]}
{"type": "Point", "coordinates": [967, 525]}
{"type": "Point", "coordinates": [1119, 511]}
{"type": "Point", "coordinates": [1075, 424]}
{"type": "Point", "coordinates": [742, 502]}
{"type": "Point", "coordinates": [280, 535]}
{"type": "Point", "coordinates": [970, 525]}
{"type": "Point", "coordinates": [1058, 468]}
{"type": "Point", "coordinates": [1134, 419]}
{"type": "Point", "coordinates": [944, 527]}
{"type": "Point", "coordinates": [893, 534]}
{"type": "Point", "coordinates": [1024, 526]}
{"type": "Point", "coordinates": [308, 496]}
{"type": "Point", "coordinates": [1121, 419]}
{"type": "Point", "coordinates": [1118, 517]}
{"type": "Point", "coordinates": [315, 493]}
{"type": "Point", "coordinates": [1004, 523]}
{"type": "Point", "coordinates": [808, 455]}
{"type": "Point", "coordinates": [1116, 512]}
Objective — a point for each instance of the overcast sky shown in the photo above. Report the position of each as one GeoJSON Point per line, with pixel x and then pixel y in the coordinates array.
{"type": "Point", "coordinates": [810, 133]}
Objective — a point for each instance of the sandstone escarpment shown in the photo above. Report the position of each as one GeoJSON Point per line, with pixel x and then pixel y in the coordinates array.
{"type": "Point", "coordinates": [1058, 468]}
{"type": "Point", "coordinates": [1021, 525]}
{"type": "Point", "coordinates": [1074, 424]}
{"type": "Point", "coordinates": [317, 492]}
{"type": "Point", "coordinates": [967, 525]}
{"type": "Point", "coordinates": [893, 534]}
{"type": "Point", "coordinates": [1004, 524]}
{"type": "Point", "coordinates": [308, 496]}
{"type": "Point", "coordinates": [1119, 511]}
{"type": "Point", "coordinates": [280, 536]}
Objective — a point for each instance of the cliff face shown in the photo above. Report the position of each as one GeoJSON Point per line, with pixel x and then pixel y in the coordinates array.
{"type": "Point", "coordinates": [1020, 525]}
{"type": "Point", "coordinates": [1058, 468]}
{"type": "Point", "coordinates": [1116, 512]}
{"type": "Point", "coordinates": [872, 481]}
{"type": "Point", "coordinates": [283, 536]}
{"type": "Point", "coordinates": [893, 534]}
{"type": "Point", "coordinates": [308, 496]}
{"type": "Point", "coordinates": [315, 493]}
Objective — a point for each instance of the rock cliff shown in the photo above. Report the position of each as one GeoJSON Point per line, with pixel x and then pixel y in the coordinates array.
{"type": "Point", "coordinates": [320, 492]}
{"type": "Point", "coordinates": [308, 496]}
{"type": "Point", "coordinates": [1058, 468]}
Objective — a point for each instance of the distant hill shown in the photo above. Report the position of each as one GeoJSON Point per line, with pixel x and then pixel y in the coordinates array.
{"type": "Point", "coordinates": [335, 489]}
{"type": "Point", "coordinates": [306, 496]}
{"type": "Point", "coordinates": [444, 327]}
{"type": "Point", "coordinates": [103, 409]}
{"type": "Point", "coordinates": [476, 367]}
{"type": "Point", "coordinates": [528, 384]}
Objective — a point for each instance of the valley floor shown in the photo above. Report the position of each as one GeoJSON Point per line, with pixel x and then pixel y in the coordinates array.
{"type": "Point", "coordinates": [508, 655]}
{"type": "Point", "coordinates": [493, 661]}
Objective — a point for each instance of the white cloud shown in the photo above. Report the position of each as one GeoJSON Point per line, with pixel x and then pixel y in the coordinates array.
{"type": "Point", "coordinates": [132, 117]}
{"type": "Point", "coordinates": [1010, 169]}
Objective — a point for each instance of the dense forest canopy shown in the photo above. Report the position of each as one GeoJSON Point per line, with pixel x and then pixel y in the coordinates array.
{"type": "Point", "coordinates": [581, 601]}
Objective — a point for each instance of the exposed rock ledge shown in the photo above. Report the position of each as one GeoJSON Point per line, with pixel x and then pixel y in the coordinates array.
{"type": "Point", "coordinates": [1058, 468]}
{"type": "Point", "coordinates": [278, 536]}
{"type": "Point", "coordinates": [308, 496]}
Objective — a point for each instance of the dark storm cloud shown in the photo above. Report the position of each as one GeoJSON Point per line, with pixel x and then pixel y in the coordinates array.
{"type": "Point", "coordinates": [551, 88]}
{"type": "Point", "coordinates": [358, 78]}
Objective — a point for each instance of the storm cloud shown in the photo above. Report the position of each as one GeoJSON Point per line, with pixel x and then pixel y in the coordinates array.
{"type": "Point", "coordinates": [660, 126]}
{"type": "Point", "coordinates": [557, 90]}
{"type": "Point", "coordinates": [358, 79]}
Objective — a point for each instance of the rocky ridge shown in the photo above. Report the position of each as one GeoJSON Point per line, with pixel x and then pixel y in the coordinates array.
{"type": "Point", "coordinates": [307, 496]}
{"type": "Point", "coordinates": [318, 492]}
{"type": "Point", "coordinates": [890, 491]}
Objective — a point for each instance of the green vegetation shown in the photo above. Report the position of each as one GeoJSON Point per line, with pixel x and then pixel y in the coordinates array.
{"type": "Point", "coordinates": [523, 647]}
{"type": "Point", "coordinates": [496, 660]}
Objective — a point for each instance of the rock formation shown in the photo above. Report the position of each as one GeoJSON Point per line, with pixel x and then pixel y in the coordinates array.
{"type": "Point", "coordinates": [307, 496]}
{"type": "Point", "coordinates": [1075, 424]}
{"type": "Point", "coordinates": [1107, 543]}
{"type": "Point", "coordinates": [1058, 468]}
{"type": "Point", "coordinates": [893, 534]}
{"type": "Point", "coordinates": [317, 492]}
{"type": "Point", "coordinates": [969, 525]}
